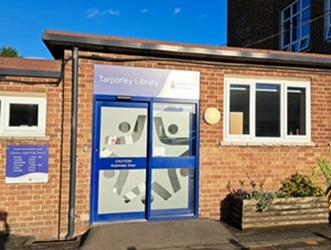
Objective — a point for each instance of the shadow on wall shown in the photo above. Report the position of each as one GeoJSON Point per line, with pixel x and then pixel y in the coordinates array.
{"type": "Point", "coordinates": [5, 230]}
{"type": "Point", "coordinates": [225, 209]}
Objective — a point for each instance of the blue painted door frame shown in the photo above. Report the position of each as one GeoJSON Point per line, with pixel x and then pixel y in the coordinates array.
{"type": "Point", "coordinates": [149, 164]}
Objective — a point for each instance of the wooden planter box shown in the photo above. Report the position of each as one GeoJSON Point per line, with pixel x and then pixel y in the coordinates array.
{"type": "Point", "coordinates": [283, 212]}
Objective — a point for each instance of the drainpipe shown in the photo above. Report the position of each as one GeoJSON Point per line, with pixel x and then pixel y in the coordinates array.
{"type": "Point", "coordinates": [73, 155]}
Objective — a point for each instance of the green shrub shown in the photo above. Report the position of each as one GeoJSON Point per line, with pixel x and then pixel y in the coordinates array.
{"type": "Point", "coordinates": [264, 199]}
{"type": "Point", "coordinates": [299, 185]}
{"type": "Point", "coordinates": [324, 166]}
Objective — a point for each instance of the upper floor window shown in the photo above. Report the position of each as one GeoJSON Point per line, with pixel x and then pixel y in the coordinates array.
{"type": "Point", "coordinates": [295, 23]}
{"type": "Point", "coordinates": [327, 19]}
{"type": "Point", "coordinates": [267, 111]}
{"type": "Point", "coordinates": [22, 116]}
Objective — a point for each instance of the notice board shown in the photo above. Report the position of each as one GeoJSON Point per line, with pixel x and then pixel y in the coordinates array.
{"type": "Point", "coordinates": [27, 164]}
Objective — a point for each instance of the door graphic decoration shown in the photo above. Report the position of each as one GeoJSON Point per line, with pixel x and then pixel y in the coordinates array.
{"type": "Point", "coordinates": [122, 157]}
{"type": "Point", "coordinates": [143, 165]}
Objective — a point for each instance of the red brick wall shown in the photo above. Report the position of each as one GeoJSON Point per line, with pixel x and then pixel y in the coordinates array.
{"type": "Point", "coordinates": [224, 165]}
{"type": "Point", "coordinates": [219, 165]}
{"type": "Point", "coordinates": [41, 210]}
{"type": "Point", "coordinates": [32, 209]}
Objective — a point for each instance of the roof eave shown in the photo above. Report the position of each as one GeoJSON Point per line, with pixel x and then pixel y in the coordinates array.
{"type": "Point", "coordinates": [30, 73]}
{"type": "Point", "coordinates": [57, 43]}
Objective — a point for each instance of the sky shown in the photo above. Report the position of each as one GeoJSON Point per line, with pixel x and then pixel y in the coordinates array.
{"type": "Point", "coordinates": [23, 22]}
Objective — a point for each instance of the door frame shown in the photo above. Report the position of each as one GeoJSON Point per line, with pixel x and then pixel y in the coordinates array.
{"type": "Point", "coordinates": [94, 217]}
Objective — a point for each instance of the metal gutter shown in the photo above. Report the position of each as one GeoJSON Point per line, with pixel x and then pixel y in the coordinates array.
{"type": "Point", "coordinates": [73, 153]}
{"type": "Point", "coordinates": [30, 73]}
{"type": "Point", "coordinates": [58, 42]}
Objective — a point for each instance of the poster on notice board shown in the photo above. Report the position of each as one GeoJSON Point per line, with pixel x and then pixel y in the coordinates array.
{"type": "Point", "coordinates": [27, 164]}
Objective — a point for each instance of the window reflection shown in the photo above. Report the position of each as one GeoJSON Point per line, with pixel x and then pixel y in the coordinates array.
{"type": "Point", "coordinates": [173, 129]}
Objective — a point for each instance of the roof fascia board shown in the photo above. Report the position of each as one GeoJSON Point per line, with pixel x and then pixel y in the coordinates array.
{"type": "Point", "coordinates": [68, 41]}
{"type": "Point", "coordinates": [30, 73]}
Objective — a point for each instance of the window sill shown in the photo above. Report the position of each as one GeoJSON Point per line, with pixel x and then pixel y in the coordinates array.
{"type": "Point", "coordinates": [25, 138]}
{"type": "Point", "coordinates": [268, 144]}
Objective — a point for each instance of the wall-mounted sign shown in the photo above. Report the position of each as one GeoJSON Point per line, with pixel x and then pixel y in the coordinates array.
{"type": "Point", "coordinates": [27, 164]}
{"type": "Point", "coordinates": [147, 82]}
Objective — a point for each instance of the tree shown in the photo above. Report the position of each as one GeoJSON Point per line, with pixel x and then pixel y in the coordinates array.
{"type": "Point", "coordinates": [8, 52]}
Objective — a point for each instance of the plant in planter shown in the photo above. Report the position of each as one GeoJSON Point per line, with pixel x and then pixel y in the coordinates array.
{"type": "Point", "coordinates": [299, 185]}
{"type": "Point", "coordinates": [300, 200]}
{"type": "Point", "coordinates": [324, 165]}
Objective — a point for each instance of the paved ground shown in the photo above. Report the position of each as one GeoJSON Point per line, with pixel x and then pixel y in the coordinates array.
{"type": "Point", "coordinates": [281, 238]}
{"type": "Point", "coordinates": [184, 235]}
{"type": "Point", "coordinates": [179, 234]}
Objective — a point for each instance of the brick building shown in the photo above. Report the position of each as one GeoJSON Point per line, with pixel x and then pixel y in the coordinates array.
{"type": "Point", "coordinates": [287, 25]}
{"type": "Point", "coordinates": [125, 129]}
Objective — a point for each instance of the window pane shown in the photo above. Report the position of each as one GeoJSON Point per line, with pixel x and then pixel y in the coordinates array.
{"type": "Point", "coordinates": [305, 30]}
{"type": "Point", "coordinates": [287, 13]}
{"type": "Point", "coordinates": [23, 115]}
{"type": "Point", "coordinates": [304, 44]}
{"type": "Point", "coordinates": [328, 20]}
{"type": "Point", "coordinates": [287, 33]}
{"type": "Point", "coordinates": [295, 7]}
{"type": "Point", "coordinates": [305, 3]}
{"type": "Point", "coordinates": [328, 34]}
{"type": "Point", "coordinates": [267, 110]}
{"type": "Point", "coordinates": [239, 109]}
{"type": "Point", "coordinates": [295, 34]}
{"type": "Point", "coordinates": [295, 47]}
{"type": "Point", "coordinates": [173, 129]}
{"type": "Point", "coordinates": [296, 29]}
{"type": "Point", "coordinates": [296, 111]}
{"type": "Point", "coordinates": [296, 26]}
{"type": "Point", "coordinates": [306, 16]}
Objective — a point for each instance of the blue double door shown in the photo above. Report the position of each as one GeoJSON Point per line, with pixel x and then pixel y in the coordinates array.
{"type": "Point", "coordinates": [145, 161]}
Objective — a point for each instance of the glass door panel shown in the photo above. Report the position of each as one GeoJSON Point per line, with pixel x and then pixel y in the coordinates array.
{"type": "Point", "coordinates": [121, 191]}
{"type": "Point", "coordinates": [172, 189]}
{"type": "Point", "coordinates": [174, 161]}
{"type": "Point", "coordinates": [120, 161]}
{"type": "Point", "coordinates": [173, 130]}
{"type": "Point", "coordinates": [123, 132]}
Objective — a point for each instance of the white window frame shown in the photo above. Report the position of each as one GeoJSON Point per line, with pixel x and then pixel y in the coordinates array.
{"type": "Point", "coordinates": [251, 137]}
{"type": "Point", "coordinates": [302, 42]}
{"type": "Point", "coordinates": [22, 131]}
{"type": "Point", "coordinates": [327, 6]}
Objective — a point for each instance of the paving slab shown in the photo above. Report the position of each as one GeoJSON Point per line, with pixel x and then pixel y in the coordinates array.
{"type": "Point", "coordinates": [179, 234]}
{"type": "Point", "coordinates": [192, 234]}
{"type": "Point", "coordinates": [286, 237]}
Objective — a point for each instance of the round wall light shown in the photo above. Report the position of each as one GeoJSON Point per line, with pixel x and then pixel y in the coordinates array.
{"type": "Point", "coordinates": [212, 116]}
